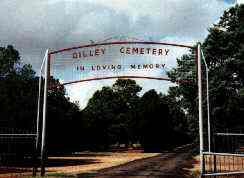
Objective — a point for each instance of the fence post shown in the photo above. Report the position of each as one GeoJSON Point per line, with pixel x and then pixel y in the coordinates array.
{"type": "Point", "coordinates": [215, 164]}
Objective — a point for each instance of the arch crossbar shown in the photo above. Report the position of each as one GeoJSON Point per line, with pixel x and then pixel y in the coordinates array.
{"type": "Point", "coordinates": [119, 43]}
{"type": "Point", "coordinates": [120, 77]}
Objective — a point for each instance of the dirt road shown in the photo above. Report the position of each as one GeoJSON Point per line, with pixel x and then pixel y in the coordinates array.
{"type": "Point", "coordinates": [171, 165]}
{"type": "Point", "coordinates": [116, 165]}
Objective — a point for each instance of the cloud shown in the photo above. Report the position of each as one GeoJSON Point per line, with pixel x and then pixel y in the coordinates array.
{"type": "Point", "coordinates": [82, 92]}
{"type": "Point", "coordinates": [33, 26]}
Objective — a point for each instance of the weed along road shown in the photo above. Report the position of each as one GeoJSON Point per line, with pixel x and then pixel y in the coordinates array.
{"type": "Point", "coordinates": [170, 164]}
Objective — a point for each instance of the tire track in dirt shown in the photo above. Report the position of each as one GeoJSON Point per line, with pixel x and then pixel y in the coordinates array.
{"type": "Point", "coordinates": [165, 165]}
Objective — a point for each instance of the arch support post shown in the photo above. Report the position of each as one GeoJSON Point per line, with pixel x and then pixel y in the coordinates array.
{"type": "Point", "coordinates": [200, 116]}
{"type": "Point", "coordinates": [43, 141]}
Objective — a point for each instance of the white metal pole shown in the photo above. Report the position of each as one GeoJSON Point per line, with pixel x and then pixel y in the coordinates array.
{"type": "Point", "coordinates": [209, 126]}
{"type": "Point", "coordinates": [37, 124]}
{"type": "Point", "coordinates": [200, 106]}
{"type": "Point", "coordinates": [44, 119]}
{"type": "Point", "coordinates": [38, 113]}
{"type": "Point", "coordinates": [208, 105]}
{"type": "Point", "coordinates": [39, 98]}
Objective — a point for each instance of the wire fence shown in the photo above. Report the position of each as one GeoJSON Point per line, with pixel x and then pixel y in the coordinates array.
{"type": "Point", "coordinates": [223, 164]}
{"type": "Point", "coordinates": [17, 150]}
{"type": "Point", "coordinates": [227, 156]}
{"type": "Point", "coordinates": [229, 142]}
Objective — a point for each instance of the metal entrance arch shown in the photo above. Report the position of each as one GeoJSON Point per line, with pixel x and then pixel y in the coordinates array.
{"type": "Point", "coordinates": [46, 65]}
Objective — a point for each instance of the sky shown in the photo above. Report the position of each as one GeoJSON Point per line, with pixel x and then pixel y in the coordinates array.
{"type": "Point", "coordinates": [33, 26]}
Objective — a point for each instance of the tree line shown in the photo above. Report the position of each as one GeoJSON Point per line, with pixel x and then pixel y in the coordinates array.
{"type": "Point", "coordinates": [118, 114]}
{"type": "Point", "coordinates": [114, 115]}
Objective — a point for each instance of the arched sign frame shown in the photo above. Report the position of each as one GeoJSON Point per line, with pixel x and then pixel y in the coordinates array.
{"type": "Point", "coordinates": [46, 66]}
{"type": "Point", "coordinates": [115, 43]}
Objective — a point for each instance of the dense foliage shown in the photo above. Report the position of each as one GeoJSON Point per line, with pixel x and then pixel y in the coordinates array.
{"type": "Point", "coordinates": [224, 49]}
{"type": "Point", "coordinates": [224, 52]}
{"type": "Point", "coordinates": [18, 91]}
{"type": "Point", "coordinates": [114, 115]}
{"type": "Point", "coordinates": [118, 115]}
{"type": "Point", "coordinates": [121, 114]}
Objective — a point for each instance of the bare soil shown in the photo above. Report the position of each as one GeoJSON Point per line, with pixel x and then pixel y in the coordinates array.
{"type": "Point", "coordinates": [71, 165]}
{"type": "Point", "coordinates": [92, 162]}
{"type": "Point", "coordinates": [177, 163]}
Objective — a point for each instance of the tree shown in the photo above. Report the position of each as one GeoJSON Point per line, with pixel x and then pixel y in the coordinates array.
{"type": "Point", "coordinates": [127, 102]}
{"type": "Point", "coordinates": [18, 90]}
{"type": "Point", "coordinates": [111, 112]}
{"type": "Point", "coordinates": [18, 107]}
{"type": "Point", "coordinates": [9, 60]}
{"type": "Point", "coordinates": [223, 49]}
{"type": "Point", "coordinates": [178, 116]}
{"type": "Point", "coordinates": [118, 114]}
{"type": "Point", "coordinates": [154, 125]}
{"type": "Point", "coordinates": [66, 125]}
{"type": "Point", "coordinates": [162, 123]}
{"type": "Point", "coordinates": [100, 113]}
{"type": "Point", "coordinates": [185, 93]}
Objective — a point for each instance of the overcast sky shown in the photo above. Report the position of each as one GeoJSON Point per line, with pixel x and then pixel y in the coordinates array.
{"type": "Point", "coordinates": [35, 25]}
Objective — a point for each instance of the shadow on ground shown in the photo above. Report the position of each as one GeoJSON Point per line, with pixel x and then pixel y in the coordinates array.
{"type": "Point", "coordinates": [27, 166]}
{"type": "Point", "coordinates": [70, 162]}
